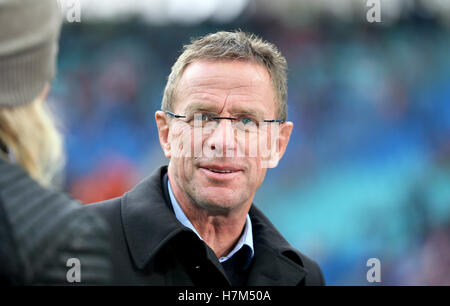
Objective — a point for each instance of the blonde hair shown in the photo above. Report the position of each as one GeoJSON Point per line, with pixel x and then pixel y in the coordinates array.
{"type": "Point", "coordinates": [232, 46]}
{"type": "Point", "coordinates": [31, 137]}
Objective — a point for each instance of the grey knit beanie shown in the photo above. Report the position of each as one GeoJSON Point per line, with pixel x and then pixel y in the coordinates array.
{"type": "Point", "coordinates": [29, 32]}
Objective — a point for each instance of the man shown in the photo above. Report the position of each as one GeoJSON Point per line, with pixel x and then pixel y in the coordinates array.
{"type": "Point", "coordinates": [45, 236]}
{"type": "Point", "coordinates": [223, 122]}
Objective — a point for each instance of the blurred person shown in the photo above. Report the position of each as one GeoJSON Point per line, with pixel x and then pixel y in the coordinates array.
{"type": "Point", "coordinates": [193, 222]}
{"type": "Point", "coordinates": [40, 228]}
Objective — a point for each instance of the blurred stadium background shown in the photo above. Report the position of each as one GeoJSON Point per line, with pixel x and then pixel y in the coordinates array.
{"type": "Point", "coordinates": [367, 172]}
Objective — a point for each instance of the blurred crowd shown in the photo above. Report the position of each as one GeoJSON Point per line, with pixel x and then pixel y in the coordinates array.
{"type": "Point", "coordinates": [367, 172]}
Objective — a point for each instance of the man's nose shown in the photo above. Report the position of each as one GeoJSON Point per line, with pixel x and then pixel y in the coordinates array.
{"type": "Point", "coordinates": [222, 141]}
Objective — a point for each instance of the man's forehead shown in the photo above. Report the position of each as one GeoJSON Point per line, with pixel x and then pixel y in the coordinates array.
{"type": "Point", "coordinates": [234, 73]}
{"type": "Point", "coordinates": [244, 86]}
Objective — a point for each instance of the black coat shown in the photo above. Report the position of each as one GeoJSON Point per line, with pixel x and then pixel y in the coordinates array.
{"type": "Point", "coordinates": [151, 247]}
{"type": "Point", "coordinates": [41, 229]}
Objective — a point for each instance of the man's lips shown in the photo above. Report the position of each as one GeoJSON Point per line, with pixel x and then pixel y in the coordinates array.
{"type": "Point", "coordinates": [221, 168]}
{"type": "Point", "coordinates": [220, 172]}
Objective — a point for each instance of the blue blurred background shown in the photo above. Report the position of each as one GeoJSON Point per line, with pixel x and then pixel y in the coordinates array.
{"type": "Point", "coordinates": [367, 171]}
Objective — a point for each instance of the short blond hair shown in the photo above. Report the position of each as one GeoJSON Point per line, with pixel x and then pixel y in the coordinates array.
{"type": "Point", "coordinates": [31, 137]}
{"type": "Point", "coordinates": [236, 45]}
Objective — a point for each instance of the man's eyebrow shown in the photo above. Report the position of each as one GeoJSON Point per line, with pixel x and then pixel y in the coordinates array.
{"type": "Point", "coordinates": [250, 112]}
{"type": "Point", "coordinates": [198, 106]}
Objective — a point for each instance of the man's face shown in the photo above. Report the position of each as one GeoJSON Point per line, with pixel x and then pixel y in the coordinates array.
{"type": "Point", "coordinates": [224, 176]}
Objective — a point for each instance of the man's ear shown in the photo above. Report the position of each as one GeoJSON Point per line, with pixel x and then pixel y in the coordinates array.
{"type": "Point", "coordinates": [284, 133]}
{"type": "Point", "coordinates": [162, 123]}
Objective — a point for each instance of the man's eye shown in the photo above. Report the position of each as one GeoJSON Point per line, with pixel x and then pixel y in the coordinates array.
{"type": "Point", "coordinates": [246, 120]}
{"type": "Point", "coordinates": [198, 116]}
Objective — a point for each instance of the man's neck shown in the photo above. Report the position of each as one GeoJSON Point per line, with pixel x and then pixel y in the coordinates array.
{"type": "Point", "coordinates": [221, 231]}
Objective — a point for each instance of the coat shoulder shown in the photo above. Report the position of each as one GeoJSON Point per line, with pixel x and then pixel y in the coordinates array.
{"type": "Point", "coordinates": [108, 209]}
{"type": "Point", "coordinates": [110, 212]}
{"type": "Point", "coordinates": [315, 276]}
{"type": "Point", "coordinates": [266, 232]}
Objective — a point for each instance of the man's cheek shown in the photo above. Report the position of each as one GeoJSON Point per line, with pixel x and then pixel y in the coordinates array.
{"type": "Point", "coordinates": [181, 145]}
{"type": "Point", "coordinates": [247, 144]}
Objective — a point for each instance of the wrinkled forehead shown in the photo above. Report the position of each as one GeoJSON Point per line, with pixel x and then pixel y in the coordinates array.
{"type": "Point", "coordinates": [241, 71]}
{"type": "Point", "coordinates": [238, 86]}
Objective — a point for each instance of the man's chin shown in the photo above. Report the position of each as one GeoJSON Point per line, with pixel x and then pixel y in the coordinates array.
{"type": "Point", "coordinates": [222, 205]}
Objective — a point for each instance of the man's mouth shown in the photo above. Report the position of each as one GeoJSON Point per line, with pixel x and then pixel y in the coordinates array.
{"type": "Point", "coordinates": [220, 171]}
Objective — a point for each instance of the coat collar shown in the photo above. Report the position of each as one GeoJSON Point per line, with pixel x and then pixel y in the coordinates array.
{"type": "Point", "coordinates": [277, 261]}
{"type": "Point", "coordinates": [149, 223]}
{"type": "Point", "coordinates": [147, 220]}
